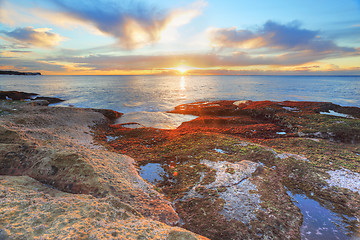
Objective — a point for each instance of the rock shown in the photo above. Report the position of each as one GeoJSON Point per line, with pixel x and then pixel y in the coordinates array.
{"type": "Point", "coordinates": [2, 72]}
{"type": "Point", "coordinates": [110, 114]}
{"type": "Point", "coordinates": [53, 146]}
{"type": "Point", "coordinates": [39, 102]}
{"type": "Point", "coordinates": [51, 100]}
{"type": "Point", "coordinates": [294, 118]}
{"type": "Point", "coordinates": [238, 173]}
{"type": "Point", "coordinates": [218, 195]}
{"type": "Point", "coordinates": [31, 210]}
{"type": "Point", "coordinates": [14, 95]}
{"type": "Point", "coordinates": [176, 235]}
{"type": "Point", "coordinates": [218, 108]}
{"type": "Point", "coordinates": [3, 235]}
{"type": "Point", "coordinates": [345, 179]}
{"type": "Point", "coordinates": [240, 204]}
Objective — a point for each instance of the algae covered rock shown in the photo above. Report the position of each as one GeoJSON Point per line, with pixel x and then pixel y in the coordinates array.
{"type": "Point", "coordinates": [236, 171]}
{"type": "Point", "coordinates": [266, 119]}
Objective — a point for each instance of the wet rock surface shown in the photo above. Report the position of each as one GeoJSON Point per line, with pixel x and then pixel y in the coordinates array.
{"type": "Point", "coordinates": [33, 97]}
{"type": "Point", "coordinates": [345, 179]}
{"type": "Point", "coordinates": [238, 191]}
{"type": "Point", "coordinates": [15, 95]}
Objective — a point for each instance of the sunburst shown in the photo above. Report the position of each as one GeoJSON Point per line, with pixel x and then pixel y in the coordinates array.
{"type": "Point", "coordinates": [182, 69]}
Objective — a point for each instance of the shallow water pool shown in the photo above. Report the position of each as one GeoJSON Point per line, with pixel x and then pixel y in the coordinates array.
{"type": "Point", "coordinates": [321, 223]}
{"type": "Point", "coordinates": [152, 172]}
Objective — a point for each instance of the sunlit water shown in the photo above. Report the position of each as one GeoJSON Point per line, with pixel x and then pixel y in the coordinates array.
{"type": "Point", "coordinates": [161, 93]}
{"type": "Point", "coordinates": [147, 95]}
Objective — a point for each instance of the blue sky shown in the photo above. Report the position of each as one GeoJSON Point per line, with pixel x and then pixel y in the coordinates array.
{"type": "Point", "coordinates": [196, 37]}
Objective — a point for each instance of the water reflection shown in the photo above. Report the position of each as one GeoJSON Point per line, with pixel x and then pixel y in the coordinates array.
{"type": "Point", "coordinates": [183, 88]}
{"type": "Point", "coordinates": [152, 172]}
{"type": "Point", "coordinates": [321, 223]}
{"type": "Point", "coordinates": [182, 83]}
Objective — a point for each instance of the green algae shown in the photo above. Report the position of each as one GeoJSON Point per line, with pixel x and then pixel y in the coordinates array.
{"type": "Point", "coordinates": [321, 153]}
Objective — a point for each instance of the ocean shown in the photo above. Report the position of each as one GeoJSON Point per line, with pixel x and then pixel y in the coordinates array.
{"type": "Point", "coordinates": [146, 98]}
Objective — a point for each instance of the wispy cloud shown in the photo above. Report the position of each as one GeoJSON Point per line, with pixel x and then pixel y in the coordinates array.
{"type": "Point", "coordinates": [205, 61]}
{"type": "Point", "coordinates": [165, 64]}
{"type": "Point", "coordinates": [29, 65]}
{"type": "Point", "coordinates": [273, 35]}
{"type": "Point", "coordinates": [134, 24]}
{"type": "Point", "coordinates": [15, 53]}
{"type": "Point", "coordinates": [40, 37]}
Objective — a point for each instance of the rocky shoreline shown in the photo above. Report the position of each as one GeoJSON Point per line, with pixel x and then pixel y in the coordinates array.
{"type": "Point", "coordinates": [228, 174]}
{"type": "Point", "coordinates": [57, 183]}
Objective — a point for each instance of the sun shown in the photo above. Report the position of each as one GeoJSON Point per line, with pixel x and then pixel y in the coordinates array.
{"type": "Point", "coordinates": [182, 69]}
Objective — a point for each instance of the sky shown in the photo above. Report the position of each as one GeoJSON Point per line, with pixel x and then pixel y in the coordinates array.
{"type": "Point", "coordinates": [200, 37]}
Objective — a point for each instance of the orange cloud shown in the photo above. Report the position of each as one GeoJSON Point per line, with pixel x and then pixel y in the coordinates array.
{"type": "Point", "coordinates": [134, 25]}
{"type": "Point", "coordinates": [14, 53]}
{"type": "Point", "coordinates": [40, 37]}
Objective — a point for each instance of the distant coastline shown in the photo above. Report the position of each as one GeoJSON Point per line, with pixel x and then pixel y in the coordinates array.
{"type": "Point", "coordinates": [18, 73]}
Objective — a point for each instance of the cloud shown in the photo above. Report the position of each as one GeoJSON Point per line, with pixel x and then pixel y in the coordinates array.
{"type": "Point", "coordinates": [14, 53]}
{"type": "Point", "coordinates": [144, 62]}
{"type": "Point", "coordinates": [134, 24]}
{"type": "Point", "coordinates": [40, 37]}
{"type": "Point", "coordinates": [22, 64]}
{"type": "Point", "coordinates": [273, 35]}
{"type": "Point", "coordinates": [201, 64]}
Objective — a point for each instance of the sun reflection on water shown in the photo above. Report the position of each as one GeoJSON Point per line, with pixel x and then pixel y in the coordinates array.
{"type": "Point", "coordinates": [183, 83]}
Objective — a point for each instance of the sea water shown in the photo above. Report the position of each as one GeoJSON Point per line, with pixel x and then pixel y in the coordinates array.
{"type": "Point", "coordinates": [146, 98]}
{"type": "Point", "coordinates": [163, 93]}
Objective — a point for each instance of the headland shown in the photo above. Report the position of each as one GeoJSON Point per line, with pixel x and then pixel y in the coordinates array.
{"type": "Point", "coordinates": [2, 72]}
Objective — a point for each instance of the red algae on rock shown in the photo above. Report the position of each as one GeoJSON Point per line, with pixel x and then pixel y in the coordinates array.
{"type": "Point", "coordinates": [294, 118]}
{"type": "Point", "coordinates": [273, 135]}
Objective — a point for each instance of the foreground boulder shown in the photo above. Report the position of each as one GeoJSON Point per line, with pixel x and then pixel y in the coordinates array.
{"type": "Point", "coordinates": [31, 210]}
